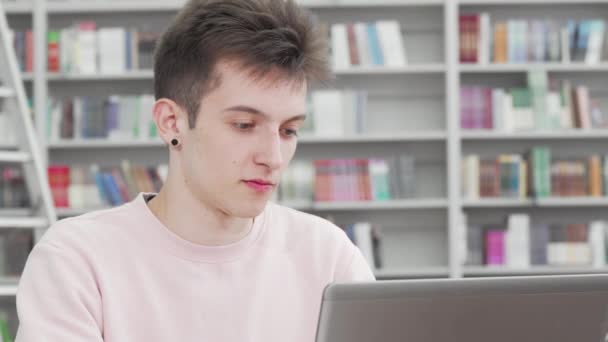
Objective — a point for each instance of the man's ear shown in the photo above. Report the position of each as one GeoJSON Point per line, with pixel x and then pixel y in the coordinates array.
{"type": "Point", "coordinates": [171, 120]}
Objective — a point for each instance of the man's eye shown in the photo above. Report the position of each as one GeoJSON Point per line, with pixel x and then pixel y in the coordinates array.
{"type": "Point", "coordinates": [243, 125]}
{"type": "Point", "coordinates": [290, 132]}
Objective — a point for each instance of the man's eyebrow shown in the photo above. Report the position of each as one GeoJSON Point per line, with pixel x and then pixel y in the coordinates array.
{"type": "Point", "coordinates": [254, 111]}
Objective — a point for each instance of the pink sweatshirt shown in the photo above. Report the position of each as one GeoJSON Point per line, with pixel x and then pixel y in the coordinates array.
{"type": "Point", "coordinates": [120, 275]}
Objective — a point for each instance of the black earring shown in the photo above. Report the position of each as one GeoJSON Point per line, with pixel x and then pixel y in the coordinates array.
{"type": "Point", "coordinates": [174, 142]}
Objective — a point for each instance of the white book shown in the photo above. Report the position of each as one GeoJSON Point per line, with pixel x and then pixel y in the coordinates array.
{"type": "Point", "coordinates": [339, 47]}
{"type": "Point", "coordinates": [565, 45]}
{"type": "Point", "coordinates": [56, 113]}
{"type": "Point", "coordinates": [517, 246]}
{"type": "Point", "coordinates": [328, 113]}
{"type": "Point", "coordinates": [146, 106]}
{"type": "Point", "coordinates": [508, 114]}
{"type": "Point", "coordinates": [498, 95]}
{"type": "Point", "coordinates": [350, 106]}
{"type": "Point", "coordinates": [363, 236]}
{"type": "Point", "coordinates": [112, 47]}
{"type": "Point", "coordinates": [524, 119]}
{"type": "Point", "coordinates": [471, 177]}
{"type": "Point", "coordinates": [78, 117]}
{"type": "Point", "coordinates": [162, 170]}
{"type": "Point", "coordinates": [365, 58]}
{"type": "Point", "coordinates": [67, 50]}
{"type": "Point", "coordinates": [596, 39]}
{"type": "Point", "coordinates": [554, 110]}
{"type": "Point", "coordinates": [76, 191]}
{"type": "Point", "coordinates": [597, 241]}
{"type": "Point", "coordinates": [483, 50]}
{"type": "Point", "coordinates": [86, 41]}
{"type": "Point", "coordinates": [391, 43]}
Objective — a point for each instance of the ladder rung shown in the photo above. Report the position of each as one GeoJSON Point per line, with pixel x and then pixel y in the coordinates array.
{"type": "Point", "coordinates": [6, 92]}
{"type": "Point", "coordinates": [23, 222]}
{"type": "Point", "coordinates": [14, 157]}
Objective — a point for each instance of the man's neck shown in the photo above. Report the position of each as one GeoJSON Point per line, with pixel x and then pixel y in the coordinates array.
{"type": "Point", "coordinates": [194, 221]}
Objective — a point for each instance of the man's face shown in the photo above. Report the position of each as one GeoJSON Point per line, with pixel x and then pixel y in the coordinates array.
{"type": "Point", "coordinates": [244, 138]}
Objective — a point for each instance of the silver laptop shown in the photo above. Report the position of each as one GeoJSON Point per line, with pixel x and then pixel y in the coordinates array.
{"type": "Point", "coordinates": [514, 309]}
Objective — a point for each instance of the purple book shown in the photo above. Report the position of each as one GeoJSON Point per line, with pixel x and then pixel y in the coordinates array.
{"type": "Point", "coordinates": [495, 247]}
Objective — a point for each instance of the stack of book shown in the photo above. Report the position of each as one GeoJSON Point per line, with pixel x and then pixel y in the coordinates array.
{"type": "Point", "coordinates": [331, 180]}
{"type": "Point", "coordinates": [542, 105]}
{"type": "Point", "coordinates": [96, 187]}
{"type": "Point", "coordinates": [116, 118]}
{"type": "Point", "coordinates": [13, 190]}
{"type": "Point", "coordinates": [85, 49]}
{"type": "Point", "coordinates": [367, 44]}
{"type": "Point", "coordinates": [535, 174]}
{"type": "Point", "coordinates": [521, 41]}
{"type": "Point", "coordinates": [337, 113]}
{"type": "Point", "coordinates": [368, 238]}
{"type": "Point", "coordinates": [519, 244]}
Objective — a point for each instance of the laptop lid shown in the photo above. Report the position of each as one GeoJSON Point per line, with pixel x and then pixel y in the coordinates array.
{"type": "Point", "coordinates": [522, 309]}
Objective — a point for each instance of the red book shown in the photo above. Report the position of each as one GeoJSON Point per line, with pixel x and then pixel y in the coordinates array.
{"type": "Point", "coordinates": [59, 182]}
{"type": "Point", "coordinates": [29, 51]}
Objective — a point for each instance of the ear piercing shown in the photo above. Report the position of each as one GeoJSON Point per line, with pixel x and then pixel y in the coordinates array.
{"type": "Point", "coordinates": [174, 142]}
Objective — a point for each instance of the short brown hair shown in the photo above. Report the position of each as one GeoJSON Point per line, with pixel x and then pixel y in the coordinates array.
{"type": "Point", "coordinates": [261, 35]}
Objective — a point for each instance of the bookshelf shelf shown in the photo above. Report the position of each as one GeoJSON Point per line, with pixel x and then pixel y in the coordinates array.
{"type": "Point", "coordinates": [572, 202]}
{"type": "Point", "coordinates": [371, 138]}
{"type": "Point", "coordinates": [497, 203]}
{"type": "Point", "coordinates": [101, 143]}
{"type": "Point", "coordinates": [387, 205]}
{"type": "Point", "coordinates": [66, 7]}
{"type": "Point", "coordinates": [525, 67]}
{"type": "Point", "coordinates": [558, 202]}
{"type": "Point", "coordinates": [557, 135]}
{"type": "Point", "coordinates": [149, 74]}
{"type": "Point", "coordinates": [427, 272]}
{"type": "Point", "coordinates": [129, 75]}
{"type": "Point", "coordinates": [528, 2]}
{"type": "Point", "coordinates": [535, 270]}
{"type": "Point", "coordinates": [17, 7]}
{"type": "Point", "coordinates": [409, 69]}
{"type": "Point", "coordinates": [8, 286]}
{"type": "Point", "coordinates": [321, 206]}
{"type": "Point", "coordinates": [368, 138]}
{"type": "Point", "coordinates": [23, 222]}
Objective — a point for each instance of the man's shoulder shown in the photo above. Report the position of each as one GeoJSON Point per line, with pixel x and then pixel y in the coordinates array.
{"type": "Point", "coordinates": [97, 227]}
{"type": "Point", "coordinates": [303, 226]}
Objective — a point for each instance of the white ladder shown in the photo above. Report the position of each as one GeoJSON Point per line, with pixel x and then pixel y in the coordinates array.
{"type": "Point", "coordinates": [27, 150]}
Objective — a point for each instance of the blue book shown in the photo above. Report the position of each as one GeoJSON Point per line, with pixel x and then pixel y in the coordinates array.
{"type": "Point", "coordinates": [100, 185]}
{"type": "Point", "coordinates": [374, 44]}
{"type": "Point", "coordinates": [112, 188]}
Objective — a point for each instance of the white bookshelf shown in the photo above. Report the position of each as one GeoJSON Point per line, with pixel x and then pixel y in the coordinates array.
{"type": "Point", "coordinates": [129, 75]}
{"type": "Point", "coordinates": [534, 270]}
{"type": "Point", "coordinates": [526, 67]}
{"type": "Point", "coordinates": [410, 69]}
{"type": "Point", "coordinates": [415, 110]}
{"type": "Point", "coordinates": [557, 135]}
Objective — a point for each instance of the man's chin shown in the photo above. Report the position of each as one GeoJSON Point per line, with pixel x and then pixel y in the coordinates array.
{"type": "Point", "coordinates": [251, 208]}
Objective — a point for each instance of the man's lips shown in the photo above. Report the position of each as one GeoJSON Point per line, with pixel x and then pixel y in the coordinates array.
{"type": "Point", "coordinates": [259, 185]}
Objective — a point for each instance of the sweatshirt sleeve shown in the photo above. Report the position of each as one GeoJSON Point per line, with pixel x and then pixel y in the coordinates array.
{"type": "Point", "coordinates": [58, 299]}
{"type": "Point", "coordinates": [357, 270]}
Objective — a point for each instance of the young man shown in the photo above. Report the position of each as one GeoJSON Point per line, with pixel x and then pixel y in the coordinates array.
{"type": "Point", "coordinates": [209, 258]}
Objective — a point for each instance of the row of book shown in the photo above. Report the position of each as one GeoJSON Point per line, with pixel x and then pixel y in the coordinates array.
{"type": "Point", "coordinates": [368, 238]}
{"type": "Point", "coordinates": [542, 105]}
{"type": "Point", "coordinates": [86, 49]}
{"type": "Point", "coordinates": [519, 244]}
{"type": "Point", "coordinates": [377, 43]}
{"type": "Point", "coordinates": [97, 187]}
{"type": "Point", "coordinates": [15, 246]}
{"type": "Point", "coordinates": [113, 118]}
{"type": "Point", "coordinates": [534, 174]}
{"type": "Point", "coordinates": [23, 43]}
{"type": "Point", "coordinates": [521, 41]}
{"type": "Point", "coordinates": [330, 180]}
{"type": "Point", "coordinates": [13, 190]}
{"type": "Point", "coordinates": [337, 112]}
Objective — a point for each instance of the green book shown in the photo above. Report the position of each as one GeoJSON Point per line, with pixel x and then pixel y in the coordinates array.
{"type": "Point", "coordinates": [6, 335]}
